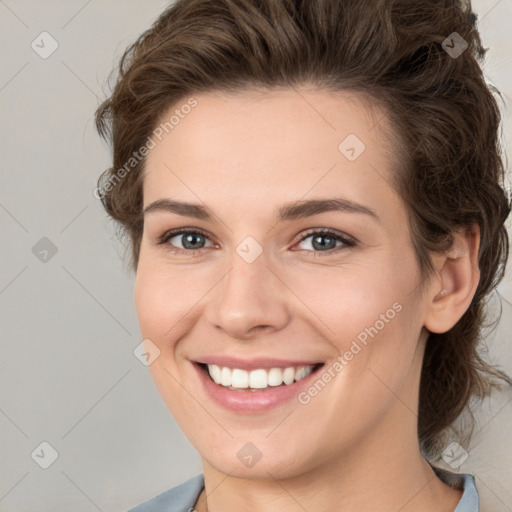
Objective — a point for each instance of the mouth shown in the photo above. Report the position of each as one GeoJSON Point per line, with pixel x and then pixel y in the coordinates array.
{"type": "Point", "coordinates": [260, 379]}
{"type": "Point", "coordinates": [260, 386]}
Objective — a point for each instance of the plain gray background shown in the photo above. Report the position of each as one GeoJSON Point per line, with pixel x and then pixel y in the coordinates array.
{"type": "Point", "coordinates": [68, 373]}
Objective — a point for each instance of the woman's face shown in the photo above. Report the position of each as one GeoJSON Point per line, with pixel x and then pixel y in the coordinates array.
{"type": "Point", "coordinates": [256, 287]}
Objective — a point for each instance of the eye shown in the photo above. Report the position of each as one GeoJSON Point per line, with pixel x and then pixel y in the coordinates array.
{"type": "Point", "coordinates": [191, 240]}
{"type": "Point", "coordinates": [323, 241]}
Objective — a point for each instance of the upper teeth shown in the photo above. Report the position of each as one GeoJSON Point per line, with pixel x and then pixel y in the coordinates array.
{"type": "Point", "coordinates": [258, 379]}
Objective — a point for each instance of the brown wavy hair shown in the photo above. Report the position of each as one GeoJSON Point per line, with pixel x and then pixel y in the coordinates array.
{"type": "Point", "coordinates": [445, 116]}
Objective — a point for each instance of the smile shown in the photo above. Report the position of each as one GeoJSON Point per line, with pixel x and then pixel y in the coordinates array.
{"type": "Point", "coordinates": [254, 390]}
{"type": "Point", "coordinates": [239, 379]}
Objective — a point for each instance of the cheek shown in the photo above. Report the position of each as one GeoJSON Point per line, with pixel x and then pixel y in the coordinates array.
{"type": "Point", "coordinates": [354, 299]}
{"type": "Point", "coordinates": [370, 317]}
{"type": "Point", "coordinates": [165, 297]}
{"type": "Point", "coordinates": [163, 303]}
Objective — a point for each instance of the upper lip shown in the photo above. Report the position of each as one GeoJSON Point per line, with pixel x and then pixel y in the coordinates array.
{"type": "Point", "coordinates": [255, 363]}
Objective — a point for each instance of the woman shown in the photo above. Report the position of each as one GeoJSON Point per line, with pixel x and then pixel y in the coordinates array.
{"type": "Point", "coordinates": [312, 192]}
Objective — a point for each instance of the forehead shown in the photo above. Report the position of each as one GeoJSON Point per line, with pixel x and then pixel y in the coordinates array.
{"type": "Point", "coordinates": [272, 146]}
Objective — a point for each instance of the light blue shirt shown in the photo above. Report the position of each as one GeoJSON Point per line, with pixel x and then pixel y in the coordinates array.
{"type": "Point", "coordinates": [183, 497]}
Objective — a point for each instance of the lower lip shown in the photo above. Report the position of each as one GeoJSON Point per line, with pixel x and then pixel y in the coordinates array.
{"type": "Point", "coordinates": [252, 402]}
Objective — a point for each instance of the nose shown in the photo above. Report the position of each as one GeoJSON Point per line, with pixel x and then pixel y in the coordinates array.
{"type": "Point", "coordinates": [250, 300]}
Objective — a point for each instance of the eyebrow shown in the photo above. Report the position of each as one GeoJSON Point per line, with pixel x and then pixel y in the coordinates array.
{"type": "Point", "coordinates": [289, 211]}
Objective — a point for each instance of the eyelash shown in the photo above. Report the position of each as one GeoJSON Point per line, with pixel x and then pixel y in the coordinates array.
{"type": "Point", "coordinates": [346, 240]}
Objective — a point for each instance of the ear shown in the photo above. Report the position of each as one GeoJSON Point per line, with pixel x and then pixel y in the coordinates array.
{"type": "Point", "coordinates": [450, 295]}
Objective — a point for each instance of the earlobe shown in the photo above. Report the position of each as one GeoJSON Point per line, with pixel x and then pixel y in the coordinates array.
{"type": "Point", "coordinates": [450, 295]}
